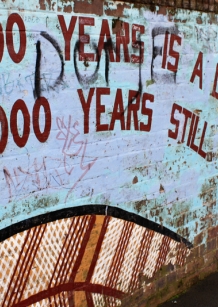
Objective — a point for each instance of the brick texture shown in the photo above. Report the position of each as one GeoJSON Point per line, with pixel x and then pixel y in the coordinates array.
{"type": "Point", "coordinates": [97, 6]}
{"type": "Point", "coordinates": [206, 5]}
{"type": "Point", "coordinates": [202, 261]}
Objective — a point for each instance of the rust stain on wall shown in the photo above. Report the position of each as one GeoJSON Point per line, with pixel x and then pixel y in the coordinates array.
{"type": "Point", "coordinates": [42, 4]}
{"type": "Point", "coordinates": [89, 7]}
{"type": "Point", "coordinates": [118, 11]}
{"type": "Point", "coordinates": [68, 8]}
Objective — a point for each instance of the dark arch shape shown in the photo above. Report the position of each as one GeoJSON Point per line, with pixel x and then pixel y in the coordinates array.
{"type": "Point", "coordinates": [89, 210]}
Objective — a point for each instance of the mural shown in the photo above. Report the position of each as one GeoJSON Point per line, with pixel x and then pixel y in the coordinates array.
{"type": "Point", "coordinates": [108, 145]}
{"type": "Point", "coordinates": [90, 260]}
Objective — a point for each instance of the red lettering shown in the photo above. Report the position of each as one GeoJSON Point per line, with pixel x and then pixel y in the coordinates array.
{"type": "Point", "coordinates": [191, 129]}
{"type": "Point", "coordinates": [174, 134]}
{"type": "Point", "coordinates": [192, 145]}
{"type": "Point", "coordinates": [12, 19]}
{"type": "Point", "coordinates": [214, 93]}
{"type": "Point", "coordinates": [118, 111]}
{"type": "Point", "coordinates": [84, 38]}
{"type": "Point", "coordinates": [67, 33]}
{"type": "Point", "coordinates": [146, 111]}
{"type": "Point", "coordinates": [4, 130]}
{"type": "Point", "coordinates": [105, 32]}
{"type": "Point", "coordinates": [200, 151]}
{"type": "Point", "coordinates": [123, 40]}
{"type": "Point", "coordinates": [133, 109]}
{"type": "Point", "coordinates": [42, 102]}
{"type": "Point", "coordinates": [20, 140]}
{"type": "Point", "coordinates": [135, 44]}
{"type": "Point", "coordinates": [187, 114]}
{"type": "Point", "coordinates": [1, 42]}
{"type": "Point", "coordinates": [174, 54]}
{"type": "Point", "coordinates": [86, 107]}
{"type": "Point", "coordinates": [100, 108]}
{"type": "Point", "coordinates": [198, 70]}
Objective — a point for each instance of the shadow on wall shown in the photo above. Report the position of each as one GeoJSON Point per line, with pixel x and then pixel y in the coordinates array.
{"type": "Point", "coordinates": [86, 260]}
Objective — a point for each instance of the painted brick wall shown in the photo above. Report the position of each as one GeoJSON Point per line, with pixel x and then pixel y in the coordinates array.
{"type": "Point", "coordinates": [108, 151]}
{"type": "Point", "coordinates": [200, 5]}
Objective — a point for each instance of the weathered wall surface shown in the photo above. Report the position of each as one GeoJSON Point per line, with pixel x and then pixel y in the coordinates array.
{"type": "Point", "coordinates": [108, 150]}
